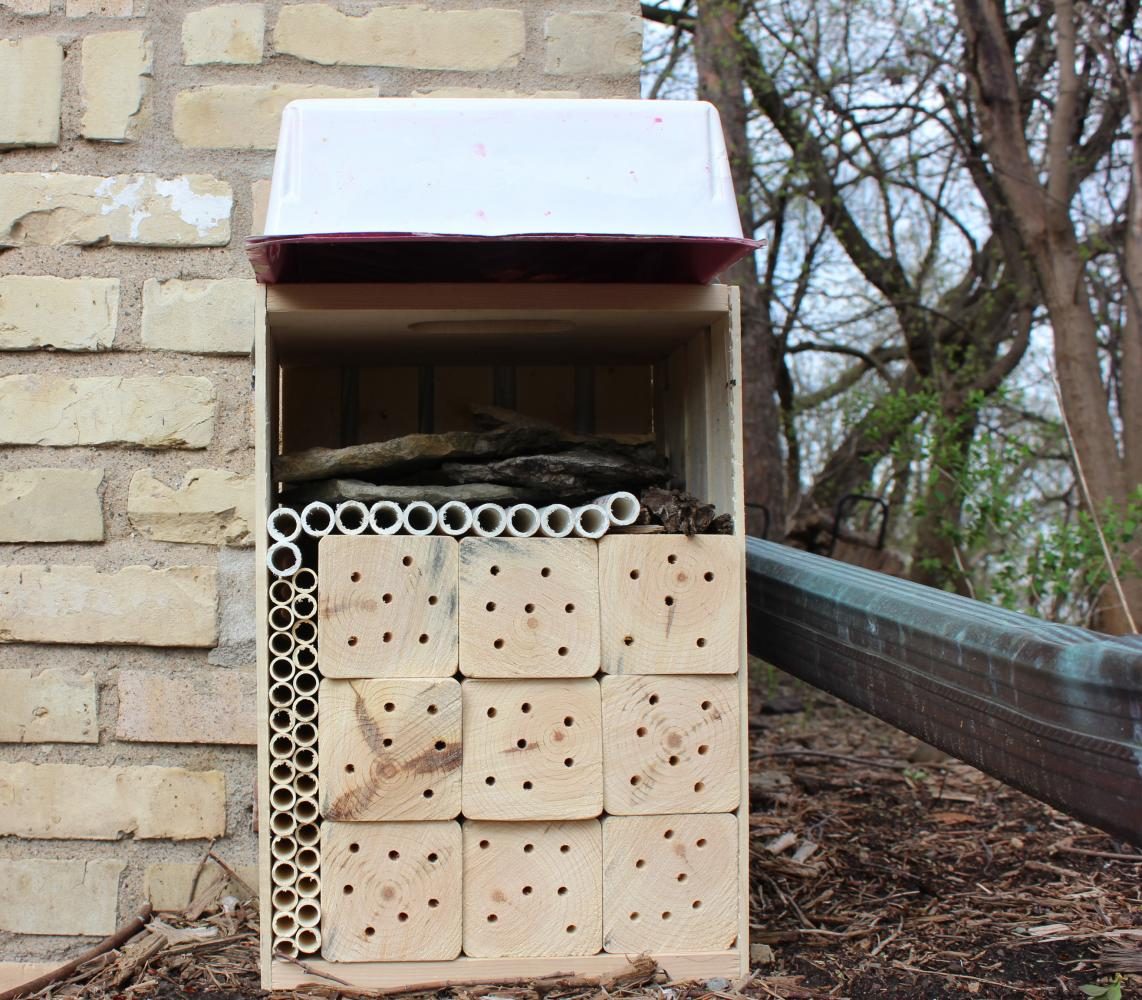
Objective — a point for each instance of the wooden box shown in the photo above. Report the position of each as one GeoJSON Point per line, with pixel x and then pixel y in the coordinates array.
{"type": "Point", "coordinates": [629, 655]}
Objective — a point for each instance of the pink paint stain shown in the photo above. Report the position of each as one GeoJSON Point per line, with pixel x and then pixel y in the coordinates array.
{"type": "Point", "coordinates": [481, 150]}
{"type": "Point", "coordinates": [481, 214]}
{"type": "Point", "coordinates": [657, 121]}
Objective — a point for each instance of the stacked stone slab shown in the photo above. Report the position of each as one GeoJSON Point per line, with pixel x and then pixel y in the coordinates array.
{"type": "Point", "coordinates": [137, 143]}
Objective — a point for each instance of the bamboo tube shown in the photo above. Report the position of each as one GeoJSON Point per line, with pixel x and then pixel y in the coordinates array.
{"type": "Point", "coordinates": [308, 886]}
{"type": "Point", "coordinates": [283, 559]}
{"type": "Point", "coordinates": [352, 517]}
{"type": "Point", "coordinates": [308, 834]}
{"type": "Point", "coordinates": [305, 734]}
{"type": "Point", "coordinates": [305, 760]}
{"type": "Point", "coordinates": [283, 772]}
{"type": "Point", "coordinates": [281, 643]}
{"type": "Point", "coordinates": [306, 683]}
{"type": "Point", "coordinates": [281, 592]}
{"type": "Point", "coordinates": [304, 632]}
{"type": "Point", "coordinates": [317, 519]}
{"type": "Point", "coordinates": [306, 810]}
{"type": "Point", "coordinates": [307, 860]}
{"type": "Point", "coordinates": [281, 696]}
{"type": "Point", "coordinates": [283, 746]}
{"type": "Point", "coordinates": [284, 873]}
{"type": "Point", "coordinates": [284, 898]}
{"type": "Point", "coordinates": [304, 606]}
{"type": "Point", "coordinates": [305, 785]}
{"type": "Point", "coordinates": [419, 518]}
{"type": "Point", "coordinates": [556, 521]}
{"type": "Point", "coordinates": [285, 924]}
{"type": "Point", "coordinates": [489, 520]}
{"type": "Point", "coordinates": [309, 941]}
{"type": "Point", "coordinates": [590, 521]}
{"type": "Point", "coordinates": [453, 518]}
{"type": "Point", "coordinates": [305, 709]}
{"type": "Point", "coordinates": [282, 669]}
{"type": "Point", "coordinates": [305, 580]}
{"type": "Point", "coordinates": [283, 797]}
{"type": "Point", "coordinates": [283, 524]}
{"type": "Point", "coordinates": [622, 508]}
{"type": "Point", "coordinates": [283, 824]}
{"type": "Point", "coordinates": [286, 947]}
{"type": "Point", "coordinates": [386, 517]}
{"type": "Point", "coordinates": [281, 617]}
{"type": "Point", "coordinates": [308, 914]}
{"type": "Point", "coordinates": [281, 719]}
{"type": "Point", "coordinates": [305, 657]}
{"type": "Point", "coordinates": [523, 520]}
{"type": "Point", "coordinates": [283, 849]}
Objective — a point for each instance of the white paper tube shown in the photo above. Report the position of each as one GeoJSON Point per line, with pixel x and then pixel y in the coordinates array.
{"type": "Point", "coordinates": [282, 746]}
{"type": "Point", "coordinates": [308, 941]}
{"type": "Point", "coordinates": [489, 520]}
{"type": "Point", "coordinates": [317, 519]}
{"type": "Point", "coordinates": [281, 643]}
{"type": "Point", "coordinates": [282, 669]}
{"type": "Point", "coordinates": [306, 810]}
{"type": "Point", "coordinates": [556, 521]}
{"type": "Point", "coordinates": [306, 682]}
{"type": "Point", "coordinates": [283, 849]}
{"type": "Point", "coordinates": [283, 824]}
{"type": "Point", "coordinates": [282, 772]}
{"type": "Point", "coordinates": [308, 886]}
{"type": "Point", "coordinates": [305, 709]}
{"type": "Point", "coordinates": [304, 633]}
{"type": "Point", "coordinates": [305, 734]}
{"type": "Point", "coordinates": [281, 719]}
{"type": "Point", "coordinates": [523, 520]}
{"type": "Point", "coordinates": [284, 873]}
{"type": "Point", "coordinates": [591, 521]}
{"type": "Point", "coordinates": [305, 581]}
{"type": "Point", "coordinates": [285, 924]}
{"type": "Point", "coordinates": [622, 507]}
{"type": "Point", "coordinates": [283, 559]}
{"type": "Point", "coordinates": [282, 592]}
{"type": "Point", "coordinates": [305, 760]}
{"type": "Point", "coordinates": [453, 518]}
{"type": "Point", "coordinates": [308, 834]}
{"type": "Point", "coordinates": [305, 657]}
{"type": "Point", "coordinates": [281, 696]}
{"type": "Point", "coordinates": [283, 525]}
{"type": "Point", "coordinates": [419, 518]}
{"type": "Point", "coordinates": [305, 785]}
{"type": "Point", "coordinates": [307, 860]}
{"type": "Point", "coordinates": [286, 947]}
{"type": "Point", "coordinates": [282, 797]}
{"type": "Point", "coordinates": [352, 517]}
{"type": "Point", "coordinates": [308, 914]}
{"type": "Point", "coordinates": [303, 607]}
{"type": "Point", "coordinates": [284, 897]}
{"type": "Point", "coordinates": [386, 517]}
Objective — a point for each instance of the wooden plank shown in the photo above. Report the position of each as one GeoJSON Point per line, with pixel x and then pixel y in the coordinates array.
{"type": "Point", "coordinates": [390, 749]}
{"type": "Point", "coordinates": [670, 604]}
{"type": "Point", "coordinates": [669, 882]}
{"type": "Point", "coordinates": [671, 745]}
{"type": "Point", "coordinates": [624, 399]}
{"type": "Point", "coordinates": [457, 388]}
{"type": "Point", "coordinates": [696, 394]}
{"type": "Point", "coordinates": [533, 889]}
{"type": "Point", "coordinates": [532, 749]}
{"type": "Point", "coordinates": [310, 407]}
{"type": "Point", "coordinates": [679, 967]}
{"type": "Point", "coordinates": [547, 392]}
{"type": "Point", "coordinates": [529, 607]}
{"type": "Point", "coordinates": [390, 891]}
{"type": "Point", "coordinates": [387, 605]}
{"type": "Point", "coordinates": [387, 406]}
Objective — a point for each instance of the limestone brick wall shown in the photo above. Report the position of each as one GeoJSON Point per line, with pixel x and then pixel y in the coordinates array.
{"type": "Point", "coordinates": [136, 142]}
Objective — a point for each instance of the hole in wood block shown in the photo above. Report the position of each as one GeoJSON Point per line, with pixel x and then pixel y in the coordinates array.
{"type": "Point", "coordinates": [678, 736]}
{"type": "Point", "coordinates": [678, 611]}
{"type": "Point", "coordinates": [560, 764]}
{"type": "Point", "coordinates": [391, 897]}
{"type": "Point", "coordinates": [694, 896]}
{"type": "Point", "coordinates": [538, 895]}
{"type": "Point", "coordinates": [408, 630]}
{"type": "Point", "coordinates": [390, 749]}
{"type": "Point", "coordinates": [515, 621]}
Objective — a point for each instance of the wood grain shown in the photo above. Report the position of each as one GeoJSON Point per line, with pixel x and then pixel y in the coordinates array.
{"type": "Point", "coordinates": [390, 749]}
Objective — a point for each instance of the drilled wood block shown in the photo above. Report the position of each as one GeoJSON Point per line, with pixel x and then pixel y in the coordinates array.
{"type": "Point", "coordinates": [670, 882]}
{"type": "Point", "coordinates": [388, 606]}
{"type": "Point", "coordinates": [390, 749]}
{"type": "Point", "coordinates": [532, 749]}
{"type": "Point", "coordinates": [529, 607]}
{"type": "Point", "coordinates": [390, 891]}
{"type": "Point", "coordinates": [533, 889]}
{"type": "Point", "coordinates": [670, 745]}
{"type": "Point", "coordinates": [670, 604]}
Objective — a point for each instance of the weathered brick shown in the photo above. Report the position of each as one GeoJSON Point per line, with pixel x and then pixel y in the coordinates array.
{"type": "Point", "coordinates": [106, 8]}
{"type": "Point", "coordinates": [168, 885]}
{"type": "Point", "coordinates": [157, 411]}
{"type": "Point", "coordinates": [259, 206]}
{"type": "Point", "coordinates": [31, 78]}
{"type": "Point", "coordinates": [51, 505]}
{"type": "Point", "coordinates": [411, 37]}
{"type": "Point", "coordinates": [115, 70]}
{"type": "Point", "coordinates": [213, 706]}
{"type": "Point", "coordinates": [68, 314]}
{"type": "Point", "coordinates": [211, 507]}
{"type": "Point", "coordinates": [53, 706]}
{"type": "Point", "coordinates": [73, 802]}
{"type": "Point", "coordinates": [13, 974]}
{"type": "Point", "coordinates": [243, 116]}
{"type": "Point", "coordinates": [491, 92]}
{"type": "Point", "coordinates": [29, 7]}
{"type": "Point", "coordinates": [136, 606]}
{"type": "Point", "coordinates": [228, 33]}
{"type": "Point", "coordinates": [44, 896]}
{"type": "Point", "coordinates": [132, 209]}
{"type": "Point", "coordinates": [589, 43]}
{"type": "Point", "coordinates": [200, 316]}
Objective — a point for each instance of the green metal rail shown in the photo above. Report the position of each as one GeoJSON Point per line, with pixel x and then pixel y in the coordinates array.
{"type": "Point", "coordinates": [1053, 710]}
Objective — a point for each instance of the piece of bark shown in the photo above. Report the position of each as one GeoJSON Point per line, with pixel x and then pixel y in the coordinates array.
{"type": "Point", "coordinates": [334, 490]}
{"type": "Point", "coordinates": [493, 417]}
{"type": "Point", "coordinates": [575, 473]}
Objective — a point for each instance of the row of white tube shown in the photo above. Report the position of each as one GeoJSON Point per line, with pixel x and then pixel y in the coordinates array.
{"type": "Point", "coordinates": [488, 520]}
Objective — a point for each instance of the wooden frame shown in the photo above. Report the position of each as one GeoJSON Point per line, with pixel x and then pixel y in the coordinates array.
{"type": "Point", "coordinates": [688, 336]}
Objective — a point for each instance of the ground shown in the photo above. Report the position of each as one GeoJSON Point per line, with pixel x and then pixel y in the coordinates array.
{"type": "Point", "coordinates": [879, 869]}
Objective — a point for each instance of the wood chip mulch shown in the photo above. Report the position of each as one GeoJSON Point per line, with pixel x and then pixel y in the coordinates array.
{"type": "Point", "coordinates": [880, 868]}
